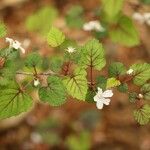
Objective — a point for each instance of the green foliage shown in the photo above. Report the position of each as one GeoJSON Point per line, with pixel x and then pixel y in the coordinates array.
{"type": "Point", "coordinates": [145, 1]}
{"type": "Point", "coordinates": [54, 93]}
{"type": "Point", "coordinates": [112, 9]}
{"type": "Point", "coordinates": [42, 20]}
{"type": "Point", "coordinates": [55, 37]}
{"type": "Point", "coordinates": [141, 73]}
{"type": "Point", "coordinates": [74, 17]}
{"type": "Point", "coordinates": [124, 32]}
{"type": "Point", "coordinates": [116, 69]}
{"type": "Point", "coordinates": [133, 97]}
{"type": "Point", "coordinates": [123, 88]}
{"type": "Point", "coordinates": [142, 115]}
{"type": "Point", "coordinates": [81, 142]}
{"type": "Point", "coordinates": [55, 63]}
{"type": "Point", "coordinates": [33, 60]}
{"type": "Point", "coordinates": [146, 91]}
{"type": "Point", "coordinates": [3, 30]}
{"type": "Point", "coordinates": [13, 100]}
{"type": "Point", "coordinates": [89, 96]}
{"type": "Point", "coordinates": [92, 55]}
{"type": "Point", "coordinates": [76, 84]}
{"type": "Point", "coordinates": [101, 82]}
{"type": "Point", "coordinates": [112, 82]}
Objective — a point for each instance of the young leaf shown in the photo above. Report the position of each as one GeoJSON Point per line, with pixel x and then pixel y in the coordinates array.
{"type": "Point", "coordinates": [112, 82]}
{"type": "Point", "coordinates": [146, 91]}
{"type": "Point", "coordinates": [77, 84]}
{"type": "Point", "coordinates": [55, 37]}
{"type": "Point", "coordinates": [54, 93]}
{"type": "Point", "coordinates": [142, 116]}
{"type": "Point", "coordinates": [33, 60]}
{"type": "Point", "coordinates": [3, 31]}
{"type": "Point", "coordinates": [13, 101]}
{"type": "Point", "coordinates": [89, 96]}
{"type": "Point", "coordinates": [125, 32]}
{"type": "Point", "coordinates": [141, 73]}
{"type": "Point", "coordinates": [116, 69]}
{"type": "Point", "coordinates": [92, 54]}
{"type": "Point", "coordinates": [112, 8]}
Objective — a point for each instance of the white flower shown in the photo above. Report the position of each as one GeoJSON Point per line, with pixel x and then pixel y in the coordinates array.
{"type": "Point", "coordinates": [138, 17]}
{"type": "Point", "coordinates": [36, 82]}
{"type": "Point", "coordinates": [141, 96]}
{"type": "Point", "coordinates": [15, 44]}
{"type": "Point", "coordinates": [102, 98]}
{"type": "Point", "coordinates": [70, 49]}
{"type": "Point", "coordinates": [147, 18]}
{"type": "Point", "coordinates": [130, 71]}
{"type": "Point", "coordinates": [93, 25]}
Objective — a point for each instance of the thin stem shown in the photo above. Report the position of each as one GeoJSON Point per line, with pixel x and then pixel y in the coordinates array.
{"type": "Point", "coordinates": [25, 73]}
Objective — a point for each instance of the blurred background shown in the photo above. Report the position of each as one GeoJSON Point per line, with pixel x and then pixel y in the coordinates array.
{"type": "Point", "coordinates": [76, 125]}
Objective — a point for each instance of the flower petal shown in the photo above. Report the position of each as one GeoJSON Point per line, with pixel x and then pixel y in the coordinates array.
{"type": "Point", "coordinates": [96, 98]}
{"type": "Point", "coordinates": [106, 101]}
{"type": "Point", "coordinates": [99, 104]}
{"type": "Point", "coordinates": [107, 93]}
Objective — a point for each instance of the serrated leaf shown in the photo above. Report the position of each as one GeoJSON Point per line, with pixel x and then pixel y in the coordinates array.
{"type": "Point", "coordinates": [112, 8]}
{"type": "Point", "coordinates": [146, 91]}
{"type": "Point", "coordinates": [77, 84]}
{"type": "Point", "coordinates": [54, 93]}
{"type": "Point", "coordinates": [92, 54]}
{"type": "Point", "coordinates": [112, 82]}
{"type": "Point", "coordinates": [13, 101]}
{"type": "Point", "coordinates": [142, 116]}
{"type": "Point", "coordinates": [3, 30]}
{"type": "Point", "coordinates": [123, 88]}
{"type": "Point", "coordinates": [55, 37]}
{"type": "Point", "coordinates": [116, 69]}
{"type": "Point", "coordinates": [42, 20]}
{"type": "Point", "coordinates": [141, 73]}
{"type": "Point", "coordinates": [33, 60]}
{"type": "Point", "coordinates": [125, 32]}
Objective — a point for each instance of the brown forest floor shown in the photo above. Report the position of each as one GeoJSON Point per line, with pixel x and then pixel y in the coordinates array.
{"type": "Point", "coordinates": [117, 129]}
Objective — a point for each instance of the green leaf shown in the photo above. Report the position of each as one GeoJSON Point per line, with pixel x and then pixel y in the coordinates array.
{"type": "Point", "coordinates": [74, 17]}
{"type": "Point", "coordinates": [146, 91]}
{"type": "Point", "coordinates": [54, 93]}
{"type": "Point", "coordinates": [90, 95]}
{"type": "Point", "coordinates": [125, 32]}
{"type": "Point", "coordinates": [77, 84]}
{"type": "Point", "coordinates": [55, 63]}
{"type": "Point", "coordinates": [112, 82]}
{"type": "Point", "coordinates": [92, 54]}
{"type": "Point", "coordinates": [55, 37]}
{"type": "Point", "coordinates": [3, 30]}
{"type": "Point", "coordinates": [145, 1]}
{"type": "Point", "coordinates": [42, 20]}
{"type": "Point", "coordinates": [13, 101]}
{"type": "Point", "coordinates": [141, 73]}
{"type": "Point", "coordinates": [142, 116]}
{"type": "Point", "coordinates": [112, 8]}
{"type": "Point", "coordinates": [116, 69]}
{"type": "Point", "coordinates": [81, 142]}
{"type": "Point", "coordinates": [101, 82]}
{"type": "Point", "coordinates": [123, 88]}
{"type": "Point", "coordinates": [133, 97]}
{"type": "Point", "coordinates": [33, 60]}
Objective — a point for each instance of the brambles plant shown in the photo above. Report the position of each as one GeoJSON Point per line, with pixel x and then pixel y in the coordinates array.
{"type": "Point", "coordinates": [68, 75]}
